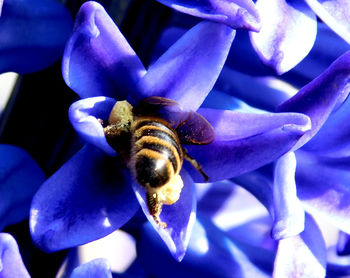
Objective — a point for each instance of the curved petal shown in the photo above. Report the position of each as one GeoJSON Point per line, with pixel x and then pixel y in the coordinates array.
{"type": "Point", "coordinates": [187, 71]}
{"type": "Point", "coordinates": [343, 244]}
{"type": "Point", "coordinates": [20, 178]}
{"type": "Point", "coordinates": [289, 213]}
{"type": "Point", "coordinates": [235, 13]}
{"type": "Point", "coordinates": [318, 98]}
{"type": "Point", "coordinates": [228, 124]}
{"type": "Point", "coordinates": [333, 139]}
{"type": "Point", "coordinates": [32, 34]}
{"type": "Point", "coordinates": [95, 268]}
{"type": "Point", "coordinates": [179, 217]}
{"type": "Point", "coordinates": [284, 26]}
{"type": "Point", "coordinates": [211, 253]}
{"type": "Point", "coordinates": [84, 115]}
{"type": "Point", "coordinates": [11, 263]}
{"type": "Point", "coordinates": [335, 14]}
{"type": "Point", "coordinates": [323, 187]}
{"type": "Point", "coordinates": [98, 61]}
{"type": "Point", "coordinates": [87, 198]}
{"type": "Point", "coordinates": [230, 155]}
{"type": "Point", "coordinates": [303, 255]}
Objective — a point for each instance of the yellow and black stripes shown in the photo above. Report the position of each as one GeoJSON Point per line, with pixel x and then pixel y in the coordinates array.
{"type": "Point", "coordinates": [156, 152]}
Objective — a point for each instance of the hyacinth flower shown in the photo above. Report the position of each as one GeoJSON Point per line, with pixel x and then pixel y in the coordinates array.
{"type": "Point", "coordinates": [283, 25]}
{"type": "Point", "coordinates": [32, 34]}
{"type": "Point", "coordinates": [93, 193]}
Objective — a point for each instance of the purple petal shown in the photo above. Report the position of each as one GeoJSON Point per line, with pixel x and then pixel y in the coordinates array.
{"type": "Point", "coordinates": [11, 264]}
{"type": "Point", "coordinates": [188, 70]}
{"type": "Point", "coordinates": [89, 197]}
{"type": "Point", "coordinates": [235, 153]}
{"type": "Point", "coordinates": [323, 187]}
{"type": "Point", "coordinates": [32, 34]}
{"type": "Point", "coordinates": [335, 14]}
{"type": "Point", "coordinates": [303, 255]}
{"type": "Point", "coordinates": [333, 139]}
{"type": "Point", "coordinates": [84, 115]}
{"type": "Point", "coordinates": [284, 26]}
{"type": "Point", "coordinates": [234, 13]}
{"type": "Point", "coordinates": [179, 217]}
{"type": "Point", "coordinates": [20, 178]}
{"type": "Point", "coordinates": [343, 244]}
{"type": "Point", "coordinates": [321, 96]}
{"type": "Point", "coordinates": [95, 268]}
{"type": "Point", "coordinates": [289, 213]}
{"type": "Point", "coordinates": [98, 61]}
{"type": "Point", "coordinates": [211, 253]}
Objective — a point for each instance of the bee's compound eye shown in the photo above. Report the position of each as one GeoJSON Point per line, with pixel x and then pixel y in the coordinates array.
{"type": "Point", "coordinates": [152, 172]}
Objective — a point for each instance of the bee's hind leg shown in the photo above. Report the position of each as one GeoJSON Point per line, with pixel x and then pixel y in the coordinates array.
{"type": "Point", "coordinates": [195, 164]}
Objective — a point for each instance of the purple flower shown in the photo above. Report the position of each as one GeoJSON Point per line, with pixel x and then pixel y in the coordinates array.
{"type": "Point", "coordinates": [32, 34]}
{"type": "Point", "coordinates": [314, 177]}
{"type": "Point", "coordinates": [93, 193]}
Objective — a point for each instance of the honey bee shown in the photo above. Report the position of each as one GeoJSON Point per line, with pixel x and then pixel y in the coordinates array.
{"type": "Point", "coordinates": [150, 136]}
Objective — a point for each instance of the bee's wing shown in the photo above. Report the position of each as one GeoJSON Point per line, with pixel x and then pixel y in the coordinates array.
{"type": "Point", "coordinates": [195, 130]}
{"type": "Point", "coordinates": [165, 108]}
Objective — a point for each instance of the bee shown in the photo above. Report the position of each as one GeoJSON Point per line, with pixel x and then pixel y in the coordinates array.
{"type": "Point", "coordinates": [150, 137]}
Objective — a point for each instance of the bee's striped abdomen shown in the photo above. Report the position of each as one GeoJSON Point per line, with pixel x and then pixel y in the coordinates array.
{"type": "Point", "coordinates": [156, 152]}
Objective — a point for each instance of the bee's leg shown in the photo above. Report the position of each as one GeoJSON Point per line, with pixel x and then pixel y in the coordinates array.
{"type": "Point", "coordinates": [195, 164]}
{"type": "Point", "coordinates": [155, 207]}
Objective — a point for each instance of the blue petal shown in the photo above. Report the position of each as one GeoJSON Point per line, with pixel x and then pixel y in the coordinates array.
{"type": "Point", "coordinates": [237, 150]}
{"type": "Point", "coordinates": [303, 255]}
{"type": "Point", "coordinates": [234, 13]}
{"type": "Point", "coordinates": [87, 198]}
{"type": "Point", "coordinates": [98, 61]}
{"type": "Point", "coordinates": [11, 264]}
{"type": "Point", "coordinates": [289, 213]}
{"type": "Point", "coordinates": [335, 14]}
{"type": "Point", "coordinates": [95, 268]}
{"type": "Point", "coordinates": [179, 217]}
{"type": "Point", "coordinates": [321, 96]}
{"type": "Point", "coordinates": [84, 115]}
{"type": "Point", "coordinates": [211, 253]}
{"type": "Point", "coordinates": [284, 25]}
{"type": "Point", "coordinates": [187, 71]}
{"type": "Point", "coordinates": [32, 34]}
{"type": "Point", "coordinates": [20, 178]}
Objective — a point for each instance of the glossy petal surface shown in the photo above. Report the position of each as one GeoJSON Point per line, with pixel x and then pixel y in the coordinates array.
{"type": "Point", "coordinates": [323, 187]}
{"type": "Point", "coordinates": [303, 255]}
{"type": "Point", "coordinates": [218, 255]}
{"type": "Point", "coordinates": [235, 13]}
{"type": "Point", "coordinates": [236, 154]}
{"type": "Point", "coordinates": [87, 198]}
{"type": "Point", "coordinates": [20, 178]}
{"type": "Point", "coordinates": [98, 61]}
{"type": "Point", "coordinates": [187, 71]}
{"type": "Point", "coordinates": [95, 268]}
{"type": "Point", "coordinates": [84, 115]}
{"type": "Point", "coordinates": [32, 34]}
{"type": "Point", "coordinates": [179, 217]}
{"type": "Point", "coordinates": [289, 213]}
{"type": "Point", "coordinates": [284, 26]}
{"type": "Point", "coordinates": [11, 264]}
{"type": "Point", "coordinates": [318, 98]}
{"type": "Point", "coordinates": [335, 14]}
